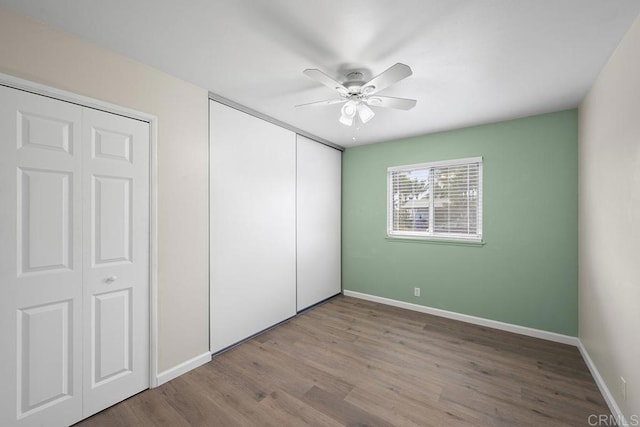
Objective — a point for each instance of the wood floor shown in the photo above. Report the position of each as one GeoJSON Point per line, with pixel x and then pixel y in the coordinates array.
{"type": "Point", "coordinates": [350, 362]}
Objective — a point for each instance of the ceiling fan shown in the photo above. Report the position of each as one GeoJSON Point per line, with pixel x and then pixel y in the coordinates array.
{"type": "Point", "coordinates": [359, 96]}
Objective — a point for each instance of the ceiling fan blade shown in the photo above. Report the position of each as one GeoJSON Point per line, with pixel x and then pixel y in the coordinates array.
{"type": "Point", "coordinates": [321, 77]}
{"type": "Point", "coordinates": [321, 103]}
{"type": "Point", "coordinates": [391, 75]}
{"type": "Point", "coordinates": [391, 102]}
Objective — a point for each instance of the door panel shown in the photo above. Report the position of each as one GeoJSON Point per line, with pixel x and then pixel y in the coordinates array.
{"type": "Point", "coordinates": [111, 215]}
{"type": "Point", "coordinates": [44, 351]}
{"type": "Point", "coordinates": [116, 261]}
{"type": "Point", "coordinates": [107, 144]}
{"type": "Point", "coordinates": [318, 222]}
{"type": "Point", "coordinates": [44, 212]}
{"type": "Point", "coordinates": [44, 132]}
{"type": "Point", "coordinates": [112, 346]}
{"type": "Point", "coordinates": [253, 276]}
{"type": "Point", "coordinates": [40, 261]}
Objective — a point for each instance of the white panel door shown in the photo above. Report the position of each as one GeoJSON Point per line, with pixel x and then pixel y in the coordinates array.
{"type": "Point", "coordinates": [252, 225]}
{"type": "Point", "coordinates": [74, 239]}
{"type": "Point", "coordinates": [116, 258]}
{"type": "Point", "coordinates": [40, 260]}
{"type": "Point", "coordinates": [319, 171]}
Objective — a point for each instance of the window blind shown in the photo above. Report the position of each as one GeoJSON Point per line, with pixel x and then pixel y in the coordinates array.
{"type": "Point", "coordinates": [436, 200]}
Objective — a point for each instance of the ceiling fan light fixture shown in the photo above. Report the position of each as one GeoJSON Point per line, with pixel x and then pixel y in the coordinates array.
{"type": "Point", "coordinates": [346, 120]}
{"type": "Point", "coordinates": [349, 108]}
{"type": "Point", "coordinates": [348, 112]}
{"type": "Point", "coordinates": [365, 113]}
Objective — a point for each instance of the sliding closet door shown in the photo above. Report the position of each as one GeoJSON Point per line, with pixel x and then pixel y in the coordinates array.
{"type": "Point", "coordinates": [252, 214]}
{"type": "Point", "coordinates": [318, 219]}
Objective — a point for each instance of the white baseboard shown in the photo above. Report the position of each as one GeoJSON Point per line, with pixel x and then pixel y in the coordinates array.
{"type": "Point", "coordinates": [183, 368]}
{"type": "Point", "coordinates": [522, 330]}
{"type": "Point", "coordinates": [604, 390]}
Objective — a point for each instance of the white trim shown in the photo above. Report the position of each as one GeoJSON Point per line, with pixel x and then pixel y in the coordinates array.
{"type": "Point", "coordinates": [63, 95]}
{"type": "Point", "coordinates": [509, 327]}
{"type": "Point", "coordinates": [183, 368]}
{"type": "Point", "coordinates": [604, 390]}
{"type": "Point", "coordinates": [153, 254]}
{"type": "Point", "coordinates": [438, 237]}
{"type": "Point", "coordinates": [435, 164]}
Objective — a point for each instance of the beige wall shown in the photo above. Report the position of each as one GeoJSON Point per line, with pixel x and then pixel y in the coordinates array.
{"type": "Point", "coordinates": [38, 53]}
{"type": "Point", "coordinates": [609, 222]}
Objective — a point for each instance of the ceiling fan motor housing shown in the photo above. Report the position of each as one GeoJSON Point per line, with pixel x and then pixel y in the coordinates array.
{"type": "Point", "coordinates": [354, 82]}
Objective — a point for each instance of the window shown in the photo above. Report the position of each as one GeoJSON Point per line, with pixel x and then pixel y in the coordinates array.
{"type": "Point", "coordinates": [439, 200]}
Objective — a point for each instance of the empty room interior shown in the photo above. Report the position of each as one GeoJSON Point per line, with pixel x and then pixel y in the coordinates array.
{"type": "Point", "coordinates": [333, 213]}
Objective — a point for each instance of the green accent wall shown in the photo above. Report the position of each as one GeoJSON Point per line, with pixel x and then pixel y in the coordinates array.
{"type": "Point", "coordinates": [525, 274]}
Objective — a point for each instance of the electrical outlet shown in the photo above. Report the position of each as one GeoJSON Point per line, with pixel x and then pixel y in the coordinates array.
{"type": "Point", "coordinates": [623, 383]}
{"type": "Point", "coordinates": [416, 292]}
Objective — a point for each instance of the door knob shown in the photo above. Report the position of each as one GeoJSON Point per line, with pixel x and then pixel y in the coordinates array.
{"type": "Point", "coordinates": [111, 279]}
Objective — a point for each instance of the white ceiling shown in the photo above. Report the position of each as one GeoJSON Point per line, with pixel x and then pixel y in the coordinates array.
{"type": "Point", "coordinates": [474, 61]}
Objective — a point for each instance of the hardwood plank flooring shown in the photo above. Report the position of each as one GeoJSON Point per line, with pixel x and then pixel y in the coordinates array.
{"type": "Point", "coordinates": [350, 362]}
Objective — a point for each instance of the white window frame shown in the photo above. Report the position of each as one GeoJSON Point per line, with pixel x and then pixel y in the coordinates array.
{"type": "Point", "coordinates": [429, 234]}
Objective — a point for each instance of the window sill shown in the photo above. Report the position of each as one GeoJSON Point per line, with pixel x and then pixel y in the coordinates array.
{"type": "Point", "coordinates": [436, 240]}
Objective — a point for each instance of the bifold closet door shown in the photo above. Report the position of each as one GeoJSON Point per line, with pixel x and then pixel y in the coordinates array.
{"type": "Point", "coordinates": [115, 181]}
{"type": "Point", "coordinates": [40, 260]}
{"type": "Point", "coordinates": [252, 228]}
{"type": "Point", "coordinates": [73, 259]}
{"type": "Point", "coordinates": [319, 170]}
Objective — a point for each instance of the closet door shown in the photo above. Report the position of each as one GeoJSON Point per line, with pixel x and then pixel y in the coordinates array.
{"type": "Point", "coordinates": [318, 222]}
{"type": "Point", "coordinates": [116, 258]}
{"type": "Point", "coordinates": [252, 214]}
{"type": "Point", "coordinates": [74, 244]}
{"type": "Point", "coordinates": [40, 260]}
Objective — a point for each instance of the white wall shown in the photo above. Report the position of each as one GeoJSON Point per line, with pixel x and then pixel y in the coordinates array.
{"type": "Point", "coordinates": [35, 52]}
{"type": "Point", "coordinates": [609, 222]}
